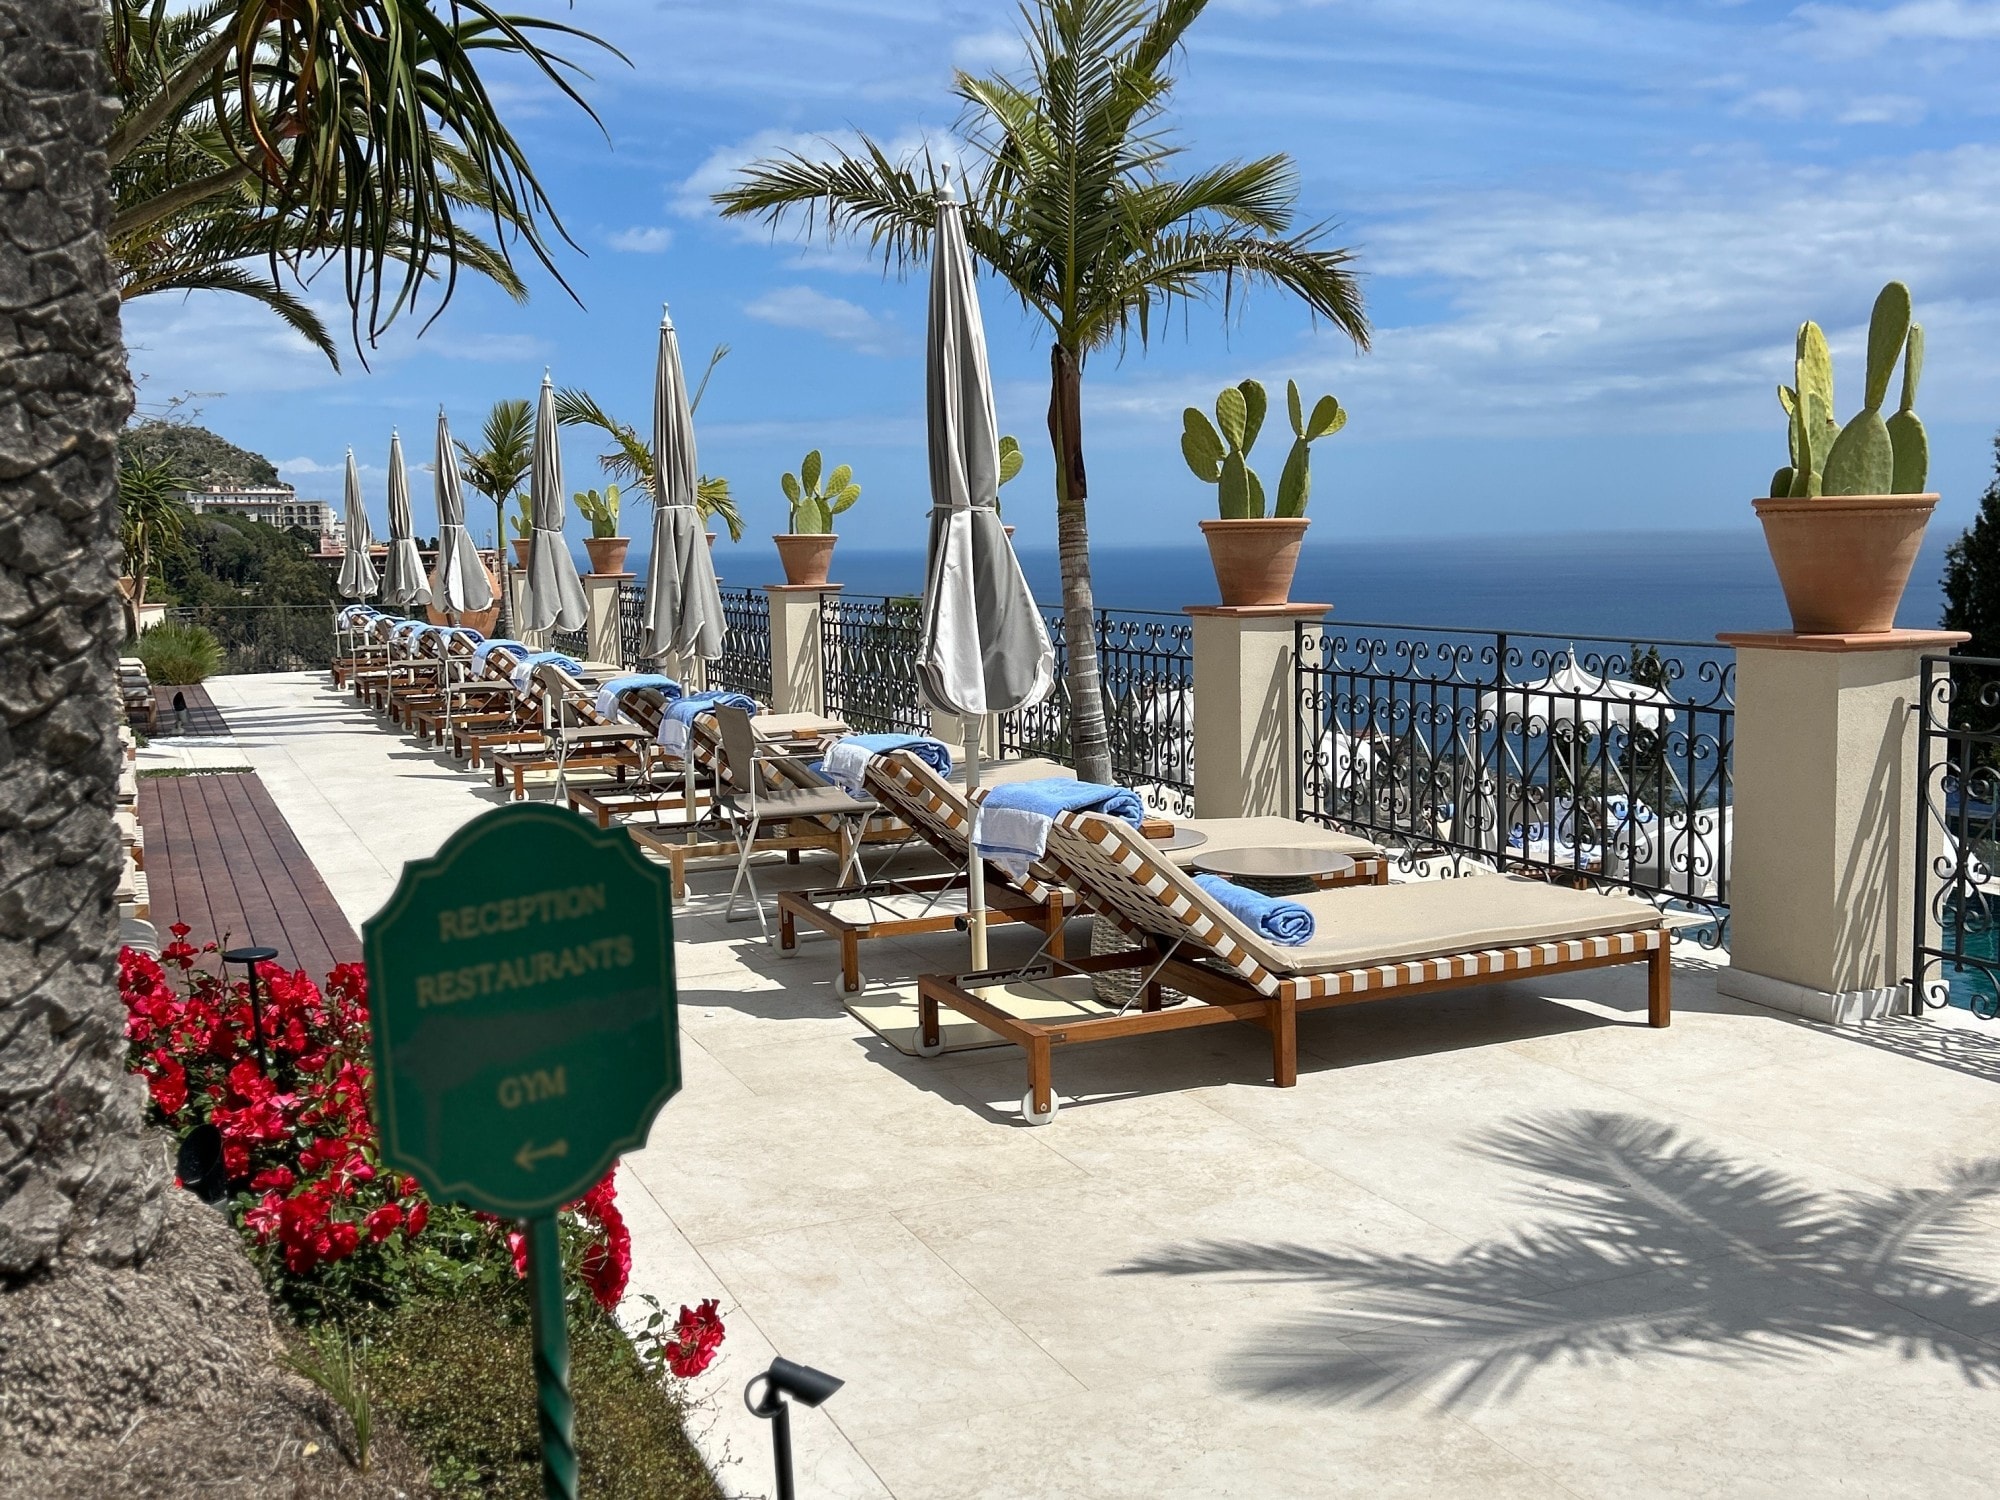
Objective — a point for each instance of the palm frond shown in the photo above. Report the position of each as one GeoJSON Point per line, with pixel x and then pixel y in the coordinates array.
{"type": "Point", "coordinates": [242, 281]}
{"type": "Point", "coordinates": [713, 500]}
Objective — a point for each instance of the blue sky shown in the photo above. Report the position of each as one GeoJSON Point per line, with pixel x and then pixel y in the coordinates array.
{"type": "Point", "coordinates": [1589, 229]}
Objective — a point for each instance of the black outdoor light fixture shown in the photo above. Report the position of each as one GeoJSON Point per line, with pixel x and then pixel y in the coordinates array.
{"type": "Point", "coordinates": [799, 1382]}
{"type": "Point", "coordinates": [250, 958]}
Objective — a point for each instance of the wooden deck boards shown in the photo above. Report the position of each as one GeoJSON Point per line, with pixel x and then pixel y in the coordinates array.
{"type": "Point", "coordinates": [203, 717]}
{"type": "Point", "coordinates": [222, 859]}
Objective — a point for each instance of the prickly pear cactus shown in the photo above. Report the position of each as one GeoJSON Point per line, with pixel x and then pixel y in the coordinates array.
{"type": "Point", "coordinates": [1863, 460]}
{"type": "Point", "coordinates": [1910, 444]}
{"type": "Point", "coordinates": [1218, 452]}
{"type": "Point", "coordinates": [814, 505]}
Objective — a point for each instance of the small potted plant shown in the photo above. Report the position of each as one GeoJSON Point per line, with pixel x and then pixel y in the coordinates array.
{"type": "Point", "coordinates": [1846, 516]}
{"type": "Point", "coordinates": [1255, 555]}
{"type": "Point", "coordinates": [605, 546]}
{"type": "Point", "coordinates": [807, 549]}
{"type": "Point", "coordinates": [523, 522]}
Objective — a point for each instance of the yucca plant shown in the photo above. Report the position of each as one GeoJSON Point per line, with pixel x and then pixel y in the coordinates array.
{"type": "Point", "coordinates": [178, 654]}
{"type": "Point", "coordinates": [1072, 204]}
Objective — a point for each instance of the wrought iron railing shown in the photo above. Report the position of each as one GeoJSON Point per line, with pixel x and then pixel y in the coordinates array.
{"type": "Point", "coordinates": [868, 657]}
{"type": "Point", "coordinates": [1145, 665]}
{"type": "Point", "coordinates": [745, 663]}
{"type": "Point", "coordinates": [1586, 760]}
{"type": "Point", "coordinates": [631, 624]}
{"type": "Point", "coordinates": [1956, 936]}
{"type": "Point", "coordinates": [572, 643]}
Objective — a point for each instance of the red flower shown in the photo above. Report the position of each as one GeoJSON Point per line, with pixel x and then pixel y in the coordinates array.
{"type": "Point", "coordinates": [342, 1237]}
{"type": "Point", "coordinates": [414, 1221]}
{"type": "Point", "coordinates": [280, 1177]}
{"type": "Point", "coordinates": [697, 1337]}
{"type": "Point", "coordinates": [517, 1245]}
{"type": "Point", "coordinates": [383, 1221]}
{"type": "Point", "coordinates": [169, 1085]}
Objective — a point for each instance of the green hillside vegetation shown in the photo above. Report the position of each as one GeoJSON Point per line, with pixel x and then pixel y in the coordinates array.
{"type": "Point", "coordinates": [200, 457]}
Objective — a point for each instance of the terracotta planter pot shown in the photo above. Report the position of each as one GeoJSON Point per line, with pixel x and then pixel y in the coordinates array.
{"type": "Point", "coordinates": [521, 546]}
{"type": "Point", "coordinates": [711, 539]}
{"type": "Point", "coordinates": [481, 620]}
{"type": "Point", "coordinates": [807, 556]}
{"type": "Point", "coordinates": [1844, 559]}
{"type": "Point", "coordinates": [607, 553]}
{"type": "Point", "coordinates": [1254, 560]}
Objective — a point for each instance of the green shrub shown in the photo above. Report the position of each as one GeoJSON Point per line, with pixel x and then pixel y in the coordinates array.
{"type": "Point", "coordinates": [456, 1373]}
{"type": "Point", "coordinates": [179, 654]}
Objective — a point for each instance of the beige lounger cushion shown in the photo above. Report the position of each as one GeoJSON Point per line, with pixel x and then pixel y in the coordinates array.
{"type": "Point", "coordinates": [1365, 925]}
{"type": "Point", "coordinates": [1225, 834]}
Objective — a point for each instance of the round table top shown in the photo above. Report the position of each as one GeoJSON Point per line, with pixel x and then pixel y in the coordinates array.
{"type": "Point", "coordinates": [1180, 838]}
{"type": "Point", "coordinates": [1274, 863]}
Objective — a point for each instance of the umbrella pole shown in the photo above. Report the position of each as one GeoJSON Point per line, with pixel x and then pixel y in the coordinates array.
{"type": "Point", "coordinates": [975, 895]}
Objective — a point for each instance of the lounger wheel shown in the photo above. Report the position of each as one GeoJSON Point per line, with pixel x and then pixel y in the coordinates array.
{"type": "Point", "coordinates": [1028, 1108]}
{"type": "Point", "coordinates": [929, 1049]}
{"type": "Point", "coordinates": [860, 983]}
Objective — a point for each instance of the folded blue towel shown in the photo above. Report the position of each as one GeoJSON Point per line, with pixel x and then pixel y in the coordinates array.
{"type": "Point", "coordinates": [847, 761]}
{"type": "Point", "coordinates": [464, 633]}
{"type": "Point", "coordinates": [1056, 794]}
{"type": "Point", "coordinates": [499, 643]}
{"type": "Point", "coordinates": [609, 694]}
{"type": "Point", "coordinates": [1284, 922]}
{"type": "Point", "coordinates": [1012, 826]}
{"type": "Point", "coordinates": [524, 669]}
{"type": "Point", "coordinates": [680, 716]}
{"type": "Point", "coordinates": [357, 614]}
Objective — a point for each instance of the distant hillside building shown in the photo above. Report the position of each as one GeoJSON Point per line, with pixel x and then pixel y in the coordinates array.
{"type": "Point", "coordinates": [275, 505]}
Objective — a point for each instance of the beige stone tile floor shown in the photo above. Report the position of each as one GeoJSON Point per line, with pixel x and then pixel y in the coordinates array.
{"type": "Point", "coordinates": [1501, 1242]}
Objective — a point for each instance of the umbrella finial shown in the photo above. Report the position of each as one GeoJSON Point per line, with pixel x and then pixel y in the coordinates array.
{"type": "Point", "coordinates": [944, 194]}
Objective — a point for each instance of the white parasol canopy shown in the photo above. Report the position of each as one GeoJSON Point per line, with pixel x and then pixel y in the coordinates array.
{"type": "Point", "coordinates": [683, 602]}
{"type": "Point", "coordinates": [460, 585]}
{"type": "Point", "coordinates": [358, 579]}
{"type": "Point", "coordinates": [403, 579]}
{"type": "Point", "coordinates": [554, 596]}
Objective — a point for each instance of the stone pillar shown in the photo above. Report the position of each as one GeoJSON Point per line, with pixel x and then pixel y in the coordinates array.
{"type": "Point", "coordinates": [1823, 846]}
{"type": "Point", "coordinates": [1246, 737]}
{"type": "Point", "coordinates": [517, 610]}
{"type": "Point", "coordinates": [798, 684]}
{"type": "Point", "coordinates": [600, 594]}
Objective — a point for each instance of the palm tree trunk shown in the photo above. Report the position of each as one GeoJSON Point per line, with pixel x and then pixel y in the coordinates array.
{"type": "Point", "coordinates": [1089, 738]}
{"type": "Point", "coordinates": [500, 562]}
{"type": "Point", "coordinates": [79, 1177]}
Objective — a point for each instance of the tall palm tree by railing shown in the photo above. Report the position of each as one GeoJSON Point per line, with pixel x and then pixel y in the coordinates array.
{"type": "Point", "coordinates": [498, 469]}
{"type": "Point", "coordinates": [1073, 207]}
{"type": "Point", "coordinates": [350, 131]}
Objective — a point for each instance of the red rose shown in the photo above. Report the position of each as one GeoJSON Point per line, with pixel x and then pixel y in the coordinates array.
{"type": "Point", "coordinates": [414, 1221]}
{"type": "Point", "coordinates": [169, 1085]}
{"type": "Point", "coordinates": [342, 1237]}
{"type": "Point", "coordinates": [179, 929]}
{"type": "Point", "coordinates": [383, 1221]}
{"type": "Point", "coordinates": [281, 1177]}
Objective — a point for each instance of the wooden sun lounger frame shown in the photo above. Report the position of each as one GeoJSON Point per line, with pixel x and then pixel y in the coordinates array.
{"type": "Point", "coordinates": [1221, 996]}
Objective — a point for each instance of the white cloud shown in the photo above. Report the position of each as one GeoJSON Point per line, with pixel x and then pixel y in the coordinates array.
{"type": "Point", "coordinates": [1882, 109]}
{"type": "Point", "coordinates": [642, 239]}
{"type": "Point", "coordinates": [988, 51]}
{"type": "Point", "coordinates": [1666, 306]}
{"type": "Point", "coordinates": [1852, 31]}
{"type": "Point", "coordinates": [832, 317]}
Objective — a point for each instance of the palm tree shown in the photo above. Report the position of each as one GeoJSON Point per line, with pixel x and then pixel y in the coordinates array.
{"type": "Point", "coordinates": [498, 469]}
{"type": "Point", "coordinates": [355, 131]}
{"type": "Point", "coordinates": [151, 509]}
{"type": "Point", "coordinates": [630, 459]}
{"type": "Point", "coordinates": [1073, 207]}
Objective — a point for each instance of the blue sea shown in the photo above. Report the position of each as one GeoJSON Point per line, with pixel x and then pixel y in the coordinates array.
{"type": "Point", "coordinates": [1623, 586]}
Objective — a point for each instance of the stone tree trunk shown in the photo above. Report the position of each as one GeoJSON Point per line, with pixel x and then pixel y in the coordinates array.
{"type": "Point", "coordinates": [78, 1178]}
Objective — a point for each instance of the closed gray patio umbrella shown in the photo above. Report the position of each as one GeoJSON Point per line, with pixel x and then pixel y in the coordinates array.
{"type": "Point", "coordinates": [358, 579]}
{"type": "Point", "coordinates": [554, 596]}
{"type": "Point", "coordinates": [683, 604]}
{"type": "Point", "coordinates": [403, 578]}
{"type": "Point", "coordinates": [985, 649]}
{"type": "Point", "coordinates": [460, 585]}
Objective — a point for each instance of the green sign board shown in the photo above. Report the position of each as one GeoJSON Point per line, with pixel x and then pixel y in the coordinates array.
{"type": "Point", "coordinates": [521, 990]}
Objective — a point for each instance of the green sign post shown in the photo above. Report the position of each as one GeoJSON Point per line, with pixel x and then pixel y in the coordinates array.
{"type": "Point", "coordinates": [521, 990]}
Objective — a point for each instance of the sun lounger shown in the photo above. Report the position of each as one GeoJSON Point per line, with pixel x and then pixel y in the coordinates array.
{"type": "Point", "coordinates": [1374, 941]}
{"type": "Point", "coordinates": [939, 813]}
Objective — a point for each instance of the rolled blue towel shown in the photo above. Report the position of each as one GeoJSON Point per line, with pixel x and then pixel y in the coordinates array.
{"type": "Point", "coordinates": [1285, 923]}
{"type": "Point", "coordinates": [465, 633]}
{"type": "Point", "coordinates": [609, 694]}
